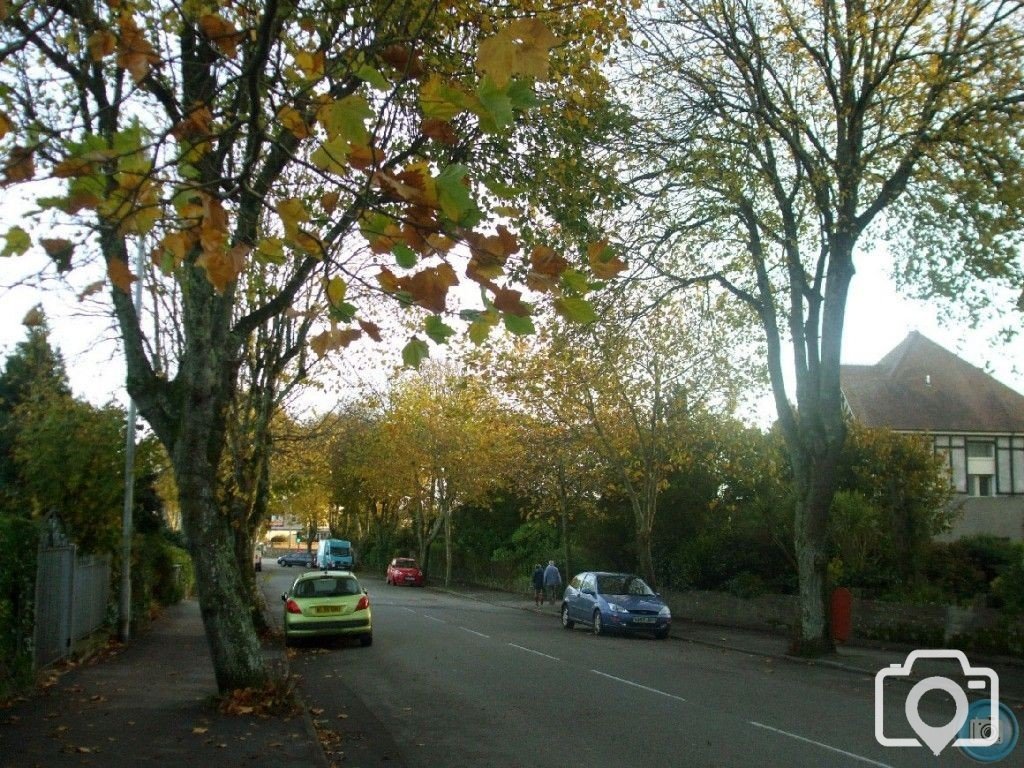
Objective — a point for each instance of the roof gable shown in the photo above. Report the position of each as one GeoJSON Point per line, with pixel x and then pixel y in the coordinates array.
{"type": "Point", "coordinates": [922, 386]}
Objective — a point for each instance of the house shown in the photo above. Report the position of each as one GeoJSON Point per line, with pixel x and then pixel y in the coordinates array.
{"type": "Point", "coordinates": [975, 421]}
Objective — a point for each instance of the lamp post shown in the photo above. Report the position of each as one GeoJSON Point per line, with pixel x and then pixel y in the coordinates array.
{"type": "Point", "coordinates": [125, 602]}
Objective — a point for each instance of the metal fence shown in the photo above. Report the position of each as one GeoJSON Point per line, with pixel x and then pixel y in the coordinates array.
{"type": "Point", "coordinates": [71, 600]}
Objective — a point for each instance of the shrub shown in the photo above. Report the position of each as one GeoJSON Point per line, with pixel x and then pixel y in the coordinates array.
{"type": "Point", "coordinates": [19, 540]}
{"type": "Point", "coordinates": [746, 585]}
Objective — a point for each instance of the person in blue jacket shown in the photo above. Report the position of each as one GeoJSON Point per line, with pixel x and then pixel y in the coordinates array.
{"type": "Point", "coordinates": [552, 581]}
{"type": "Point", "coordinates": [538, 585]}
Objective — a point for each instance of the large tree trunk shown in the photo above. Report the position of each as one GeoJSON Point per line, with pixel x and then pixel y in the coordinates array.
{"type": "Point", "coordinates": [234, 645]}
{"type": "Point", "coordinates": [815, 481]}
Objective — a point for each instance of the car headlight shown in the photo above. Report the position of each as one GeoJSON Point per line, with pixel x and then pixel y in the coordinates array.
{"type": "Point", "coordinates": [665, 612]}
{"type": "Point", "coordinates": [616, 608]}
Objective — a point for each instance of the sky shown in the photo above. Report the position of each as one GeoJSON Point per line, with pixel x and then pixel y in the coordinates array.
{"type": "Point", "coordinates": [877, 319]}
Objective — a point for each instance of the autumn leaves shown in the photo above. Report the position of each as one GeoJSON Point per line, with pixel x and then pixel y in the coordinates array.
{"type": "Point", "coordinates": [372, 131]}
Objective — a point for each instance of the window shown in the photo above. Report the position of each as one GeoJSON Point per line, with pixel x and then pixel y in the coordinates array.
{"type": "Point", "coordinates": [977, 449]}
{"type": "Point", "coordinates": [980, 485]}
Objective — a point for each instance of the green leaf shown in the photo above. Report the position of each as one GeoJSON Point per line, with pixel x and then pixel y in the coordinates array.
{"type": "Point", "coordinates": [343, 312]}
{"type": "Point", "coordinates": [479, 330]}
{"type": "Point", "coordinates": [18, 242]}
{"type": "Point", "coordinates": [496, 112]}
{"type": "Point", "coordinates": [575, 282]}
{"type": "Point", "coordinates": [370, 75]}
{"type": "Point", "coordinates": [454, 197]}
{"type": "Point", "coordinates": [520, 326]}
{"type": "Point", "coordinates": [470, 315]}
{"type": "Point", "coordinates": [346, 118]}
{"type": "Point", "coordinates": [332, 156]}
{"type": "Point", "coordinates": [415, 352]}
{"type": "Point", "coordinates": [500, 189]}
{"type": "Point", "coordinates": [437, 330]}
{"type": "Point", "coordinates": [405, 256]}
{"type": "Point", "coordinates": [575, 309]}
{"type": "Point", "coordinates": [521, 95]}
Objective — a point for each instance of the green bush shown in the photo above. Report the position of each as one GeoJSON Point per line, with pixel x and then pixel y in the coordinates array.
{"type": "Point", "coordinates": [746, 585]}
{"type": "Point", "coordinates": [19, 541]}
{"type": "Point", "coordinates": [1008, 589]}
{"type": "Point", "coordinates": [162, 574]}
{"type": "Point", "coordinates": [968, 567]}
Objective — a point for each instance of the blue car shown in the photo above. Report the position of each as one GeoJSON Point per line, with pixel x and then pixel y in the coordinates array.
{"type": "Point", "coordinates": [620, 602]}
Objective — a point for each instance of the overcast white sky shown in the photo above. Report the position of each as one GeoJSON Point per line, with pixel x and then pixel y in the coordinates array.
{"type": "Point", "coordinates": [877, 320]}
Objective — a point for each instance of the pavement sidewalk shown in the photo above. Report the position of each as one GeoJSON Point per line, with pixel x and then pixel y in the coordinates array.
{"type": "Point", "coordinates": [861, 660]}
{"type": "Point", "coordinates": [151, 704]}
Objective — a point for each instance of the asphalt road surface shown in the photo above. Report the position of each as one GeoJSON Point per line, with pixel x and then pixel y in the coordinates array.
{"type": "Point", "coordinates": [451, 681]}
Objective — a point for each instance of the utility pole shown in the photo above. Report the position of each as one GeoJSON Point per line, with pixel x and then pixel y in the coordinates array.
{"type": "Point", "coordinates": [125, 604]}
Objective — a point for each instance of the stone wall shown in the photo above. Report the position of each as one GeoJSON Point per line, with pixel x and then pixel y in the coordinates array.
{"type": "Point", "coordinates": [921, 625]}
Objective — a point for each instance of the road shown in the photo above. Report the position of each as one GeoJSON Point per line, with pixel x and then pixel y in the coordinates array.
{"type": "Point", "coordinates": [451, 681]}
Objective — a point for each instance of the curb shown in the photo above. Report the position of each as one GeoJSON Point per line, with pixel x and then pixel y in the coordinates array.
{"type": "Point", "coordinates": [279, 658]}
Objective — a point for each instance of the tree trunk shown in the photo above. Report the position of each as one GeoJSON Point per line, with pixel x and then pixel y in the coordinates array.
{"type": "Point", "coordinates": [815, 484]}
{"type": "Point", "coordinates": [227, 618]}
{"type": "Point", "coordinates": [447, 545]}
{"type": "Point", "coordinates": [643, 552]}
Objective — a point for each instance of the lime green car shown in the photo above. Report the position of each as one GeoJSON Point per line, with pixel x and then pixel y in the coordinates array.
{"type": "Point", "coordinates": [327, 604]}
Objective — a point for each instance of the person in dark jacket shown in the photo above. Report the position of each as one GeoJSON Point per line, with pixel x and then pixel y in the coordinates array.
{"type": "Point", "coordinates": [538, 585]}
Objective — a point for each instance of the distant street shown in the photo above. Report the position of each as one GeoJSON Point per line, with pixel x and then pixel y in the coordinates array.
{"type": "Point", "coordinates": [451, 681]}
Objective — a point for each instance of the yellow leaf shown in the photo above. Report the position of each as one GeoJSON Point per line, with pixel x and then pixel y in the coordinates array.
{"type": "Point", "coordinates": [20, 165]}
{"type": "Point", "coordinates": [134, 52]}
{"type": "Point", "coordinates": [312, 65]}
{"type": "Point", "coordinates": [101, 43]}
{"type": "Point", "coordinates": [223, 267]}
{"type": "Point", "coordinates": [336, 288]}
{"type": "Point", "coordinates": [34, 317]}
{"type": "Point", "coordinates": [519, 48]}
{"type": "Point", "coordinates": [292, 211]}
{"type": "Point", "coordinates": [329, 201]}
{"type": "Point", "coordinates": [603, 260]}
{"type": "Point", "coordinates": [177, 244]}
{"type": "Point", "coordinates": [119, 274]}
{"type": "Point", "coordinates": [221, 33]}
{"type": "Point", "coordinates": [5, 124]}
{"type": "Point", "coordinates": [294, 122]}
{"type": "Point", "coordinates": [90, 289]}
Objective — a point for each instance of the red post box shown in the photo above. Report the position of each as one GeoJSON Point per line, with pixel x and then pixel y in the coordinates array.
{"type": "Point", "coordinates": [842, 614]}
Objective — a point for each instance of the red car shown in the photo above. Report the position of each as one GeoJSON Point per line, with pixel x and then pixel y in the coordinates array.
{"type": "Point", "coordinates": [403, 570]}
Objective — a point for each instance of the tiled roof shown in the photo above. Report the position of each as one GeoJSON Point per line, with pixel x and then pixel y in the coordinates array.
{"type": "Point", "coordinates": [922, 386]}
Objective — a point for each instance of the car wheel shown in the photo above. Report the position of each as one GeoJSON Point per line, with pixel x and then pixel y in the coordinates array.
{"type": "Point", "coordinates": [597, 626]}
{"type": "Point", "coordinates": [661, 634]}
{"type": "Point", "coordinates": [566, 621]}
{"type": "Point", "coordinates": [366, 640]}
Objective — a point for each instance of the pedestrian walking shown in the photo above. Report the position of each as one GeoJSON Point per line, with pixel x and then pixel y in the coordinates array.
{"type": "Point", "coordinates": [552, 581]}
{"type": "Point", "coordinates": [538, 584]}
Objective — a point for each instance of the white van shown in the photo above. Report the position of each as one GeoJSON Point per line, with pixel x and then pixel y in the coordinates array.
{"type": "Point", "coordinates": [335, 553]}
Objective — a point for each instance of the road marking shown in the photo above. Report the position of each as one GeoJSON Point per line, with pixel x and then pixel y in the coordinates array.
{"type": "Point", "coordinates": [819, 744]}
{"type": "Point", "coordinates": [434, 618]}
{"type": "Point", "coordinates": [410, 610]}
{"type": "Point", "coordinates": [474, 632]}
{"type": "Point", "coordinates": [530, 650]}
{"type": "Point", "coordinates": [637, 685]}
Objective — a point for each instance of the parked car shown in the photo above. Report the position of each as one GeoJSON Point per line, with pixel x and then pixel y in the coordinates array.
{"type": "Point", "coordinates": [327, 604]}
{"type": "Point", "coordinates": [301, 559]}
{"type": "Point", "coordinates": [619, 602]}
{"type": "Point", "coordinates": [403, 570]}
{"type": "Point", "coordinates": [257, 560]}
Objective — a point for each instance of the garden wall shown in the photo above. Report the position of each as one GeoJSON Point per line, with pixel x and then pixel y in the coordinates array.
{"type": "Point", "coordinates": [973, 628]}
